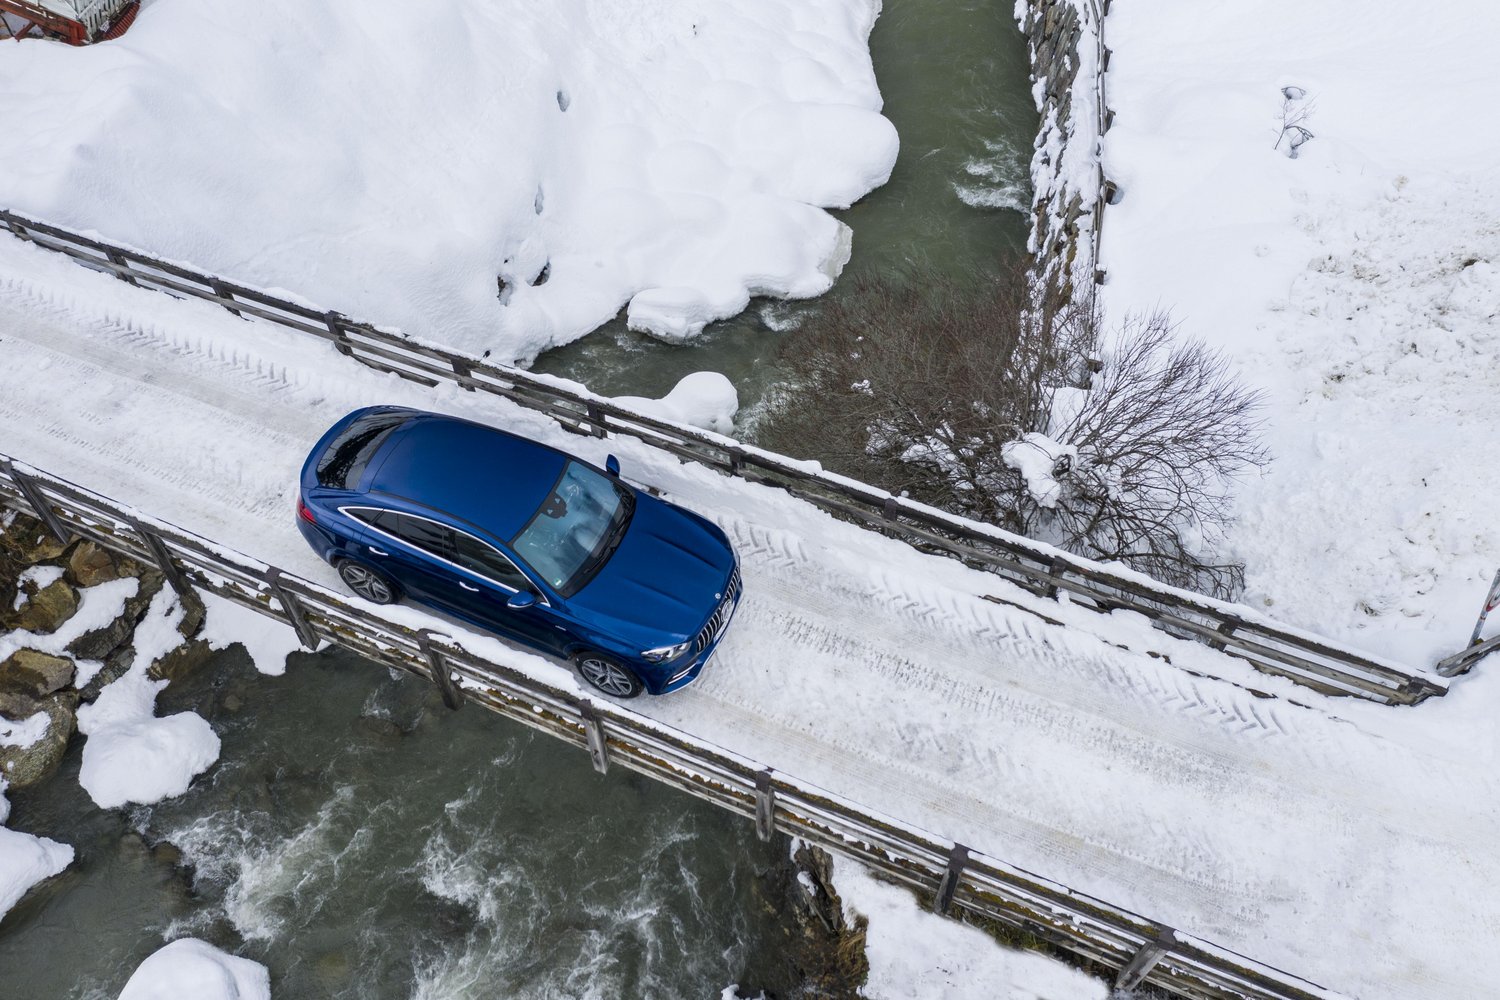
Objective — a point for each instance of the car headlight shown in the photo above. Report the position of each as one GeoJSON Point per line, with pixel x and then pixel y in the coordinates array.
{"type": "Point", "coordinates": [664, 653]}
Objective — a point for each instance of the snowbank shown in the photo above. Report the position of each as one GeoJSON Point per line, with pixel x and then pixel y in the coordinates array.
{"type": "Point", "coordinates": [131, 755]}
{"type": "Point", "coordinates": [917, 955]}
{"type": "Point", "coordinates": [25, 860]}
{"type": "Point", "coordinates": [500, 175]}
{"type": "Point", "coordinates": [269, 642]}
{"type": "Point", "coordinates": [702, 399]}
{"type": "Point", "coordinates": [1357, 283]}
{"type": "Point", "coordinates": [189, 969]}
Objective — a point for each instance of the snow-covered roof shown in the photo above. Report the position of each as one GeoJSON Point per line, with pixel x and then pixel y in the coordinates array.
{"type": "Point", "coordinates": [92, 14]}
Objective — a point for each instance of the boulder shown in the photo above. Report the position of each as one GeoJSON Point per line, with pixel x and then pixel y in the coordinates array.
{"type": "Point", "coordinates": [101, 642]}
{"type": "Point", "coordinates": [116, 665]}
{"type": "Point", "coordinates": [89, 565]}
{"type": "Point", "coordinates": [32, 673]}
{"type": "Point", "coordinates": [24, 767]}
{"type": "Point", "coordinates": [181, 661]}
{"type": "Point", "coordinates": [48, 609]}
{"type": "Point", "coordinates": [29, 541]}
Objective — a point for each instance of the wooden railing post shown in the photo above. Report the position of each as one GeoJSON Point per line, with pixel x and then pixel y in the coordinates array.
{"type": "Point", "coordinates": [176, 579]}
{"type": "Point", "coordinates": [453, 696]}
{"type": "Point", "coordinates": [597, 421]}
{"type": "Point", "coordinates": [335, 324]}
{"type": "Point", "coordinates": [224, 293]}
{"type": "Point", "coordinates": [1145, 959]}
{"type": "Point", "coordinates": [293, 608]}
{"type": "Point", "coordinates": [593, 731]}
{"type": "Point", "coordinates": [765, 805]}
{"type": "Point", "coordinates": [958, 858]}
{"type": "Point", "coordinates": [38, 502]}
{"type": "Point", "coordinates": [119, 261]}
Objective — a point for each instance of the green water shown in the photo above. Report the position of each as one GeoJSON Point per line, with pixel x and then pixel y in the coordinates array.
{"type": "Point", "coordinates": [362, 842]}
{"type": "Point", "coordinates": [954, 79]}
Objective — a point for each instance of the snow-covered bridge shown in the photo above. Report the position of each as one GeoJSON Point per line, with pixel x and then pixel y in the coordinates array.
{"type": "Point", "coordinates": [1089, 748]}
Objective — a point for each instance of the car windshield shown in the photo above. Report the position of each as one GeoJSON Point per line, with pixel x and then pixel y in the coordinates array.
{"type": "Point", "coordinates": [576, 529]}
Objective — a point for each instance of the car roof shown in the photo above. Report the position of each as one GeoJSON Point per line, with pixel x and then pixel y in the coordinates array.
{"type": "Point", "coordinates": [482, 475]}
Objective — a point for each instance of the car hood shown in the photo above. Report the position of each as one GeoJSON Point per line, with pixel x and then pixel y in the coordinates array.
{"type": "Point", "coordinates": [666, 577]}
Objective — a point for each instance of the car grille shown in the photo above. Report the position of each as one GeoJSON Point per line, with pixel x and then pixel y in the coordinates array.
{"type": "Point", "coordinates": [720, 617]}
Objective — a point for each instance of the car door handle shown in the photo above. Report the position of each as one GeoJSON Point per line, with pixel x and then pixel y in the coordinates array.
{"type": "Point", "coordinates": [468, 586]}
{"type": "Point", "coordinates": [378, 552]}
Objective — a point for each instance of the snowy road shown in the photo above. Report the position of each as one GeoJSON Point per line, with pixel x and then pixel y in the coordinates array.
{"type": "Point", "coordinates": [1339, 840]}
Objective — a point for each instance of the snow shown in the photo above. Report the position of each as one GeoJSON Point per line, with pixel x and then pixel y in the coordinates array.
{"type": "Point", "coordinates": [267, 640]}
{"type": "Point", "coordinates": [1358, 284]}
{"type": "Point", "coordinates": [131, 755]}
{"type": "Point", "coordinates": [97, 607]}
{"type": "Point", "coordinates": [25, 732]}
{"type": "Point", "coordinates": [25, 860]}
{"type": "Point", "coordinates": [1035, 456]}
{"type": "Point", "coordinates": [917, 955]}
{"type": "Point", "coordinates": [701, 399]}
{"type": "Point", "coordinates": [498, 176]}
{"type": "Point", "coordinates": [189, 969]}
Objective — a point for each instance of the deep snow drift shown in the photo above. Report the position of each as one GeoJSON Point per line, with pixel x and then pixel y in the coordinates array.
{"type": "Point", "coordinates": [500, 176]}
{"type": "Point", "coordinates": [1358, 283]}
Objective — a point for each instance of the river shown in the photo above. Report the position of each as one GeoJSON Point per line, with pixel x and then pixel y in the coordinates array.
{"type": "Point", "coordinates": [363, 842]}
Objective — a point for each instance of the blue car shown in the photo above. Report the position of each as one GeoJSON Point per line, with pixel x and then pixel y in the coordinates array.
{"type": "Point", "coordinates": [522, 540]}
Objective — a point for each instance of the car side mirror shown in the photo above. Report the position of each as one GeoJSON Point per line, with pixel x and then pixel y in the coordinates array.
{"type": "Point", "coordinates": [612, 466]}
{"type": "Point", "coordinates": [521, 600]}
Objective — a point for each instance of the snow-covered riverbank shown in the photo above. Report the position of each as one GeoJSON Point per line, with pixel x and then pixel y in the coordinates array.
{"type": "Point", "coordinates": [1357, 283]}
{"type": "Point", "coordinates": [497, 176]}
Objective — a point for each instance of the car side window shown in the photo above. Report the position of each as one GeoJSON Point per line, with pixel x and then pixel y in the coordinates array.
{"type": "Point", "coordinates": [478, 557]}
{"type": "Point", "coordinates": [429, 536]}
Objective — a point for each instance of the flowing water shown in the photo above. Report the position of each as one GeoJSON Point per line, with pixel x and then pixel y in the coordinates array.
{"type": "Point", "coordinates": [363, 842]}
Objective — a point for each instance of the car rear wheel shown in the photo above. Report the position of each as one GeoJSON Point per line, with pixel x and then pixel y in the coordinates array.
{"type": "Point", "coordinates": [608, 675]}
{"type": "Point", "coordinates": [373, 585]}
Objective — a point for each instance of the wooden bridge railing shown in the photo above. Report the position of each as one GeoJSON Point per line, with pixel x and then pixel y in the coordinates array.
{"type": "Point", "coordinates": [1299, 655]}
{"type": "Point", "coordinates": [1136, 948]}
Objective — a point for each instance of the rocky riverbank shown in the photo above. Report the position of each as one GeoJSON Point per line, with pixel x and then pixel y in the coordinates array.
{"type": "Point", "coordinates": [54, 655]}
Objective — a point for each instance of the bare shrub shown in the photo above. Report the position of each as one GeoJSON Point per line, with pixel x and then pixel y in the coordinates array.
{"type": "Point", "coordinates": [929, 387]}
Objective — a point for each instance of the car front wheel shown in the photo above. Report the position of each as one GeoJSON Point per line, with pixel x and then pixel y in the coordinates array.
{"type": "Point", "coordinates": [608, 675]}
{"type": "Point", "coordinates": [373, 585]}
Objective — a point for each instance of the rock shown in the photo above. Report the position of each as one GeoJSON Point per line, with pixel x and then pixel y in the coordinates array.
{"type": "Point", "coordinates": [194, 614]}
{"type": "Point", "coordinates": [30, 542]}
{"type": "Point", "coordinates": [33, 673]}
{"type": "Point", "coordinates": [89, 565]}
{"type": "Point", "coordinates": [17, 704]}
{"type": "Point", "coordinates": [47, 611]}
{"type": "Point", "coordinates": [180, 662]}
{"type": "Point", "coordinates": [232, 703]}
{"type": "Point", "coordinates": [24, 767]}
{"type": "Point", "coordinates": [116, 664]}
{"type": "Point", "coordinates": [101, 642]}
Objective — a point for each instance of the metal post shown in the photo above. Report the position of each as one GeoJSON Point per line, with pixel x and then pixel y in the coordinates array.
{"type": "Point", "coordinates": [293, 608]}
{"type": "Point", "coordinates": [1056, 568]}
{"type": "Point", "coordinates": [176, 579]}
{"type": "Point", "coordinates": [463, 372]}
{"type": "Point", "coordinates": [1146, 958]}
{"type": "Point", "coordinates": [593, 729]}
{"type": "Point", "coordinates": [890, 509]}
{"type": "Point", "coordinates": [957, 859]}
{"type": "Point", "coordinates": [452, 696]}
{"type": "Point", "coordinates": [1226, 628]}
{"type": "Point", "coordinates": [765, 805]}
{"type": "Point", "coordinates": [1491, 601]}
{"type": "Point", "coordinates": [37, 500]}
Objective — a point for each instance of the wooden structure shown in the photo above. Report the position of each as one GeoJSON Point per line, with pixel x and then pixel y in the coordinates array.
{"type": "Point", "coordinates": [1274, 648]}
{"type": "Point", "coordinates": [76, 22]}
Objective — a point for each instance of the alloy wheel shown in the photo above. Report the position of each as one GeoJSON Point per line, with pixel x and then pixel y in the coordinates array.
{"type": "Point", "coordinates": [609, 677]}
{"type": "Point", "coordinates": [366, 583]}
